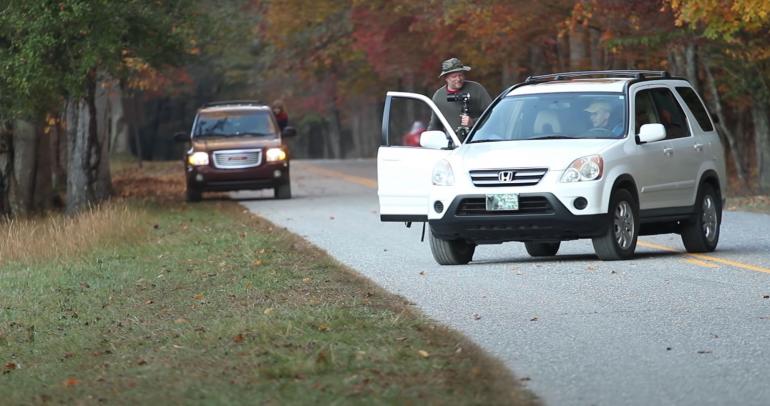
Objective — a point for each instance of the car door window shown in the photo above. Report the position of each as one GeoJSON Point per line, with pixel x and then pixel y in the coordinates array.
{"type": "Point", "coordinates": [670, 113]}
{"type": "Point", "coordinates": [407, 121]}
{"type": "Point", "coordinates": [645, 112]}
{"type": "Point", "coordinates": [696, 107]}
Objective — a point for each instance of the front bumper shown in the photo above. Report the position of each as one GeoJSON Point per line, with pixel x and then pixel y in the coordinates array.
{"type": "Point", "coordinates": [541, 217]}
{"type": "Point", "coordinates": [266, 175]}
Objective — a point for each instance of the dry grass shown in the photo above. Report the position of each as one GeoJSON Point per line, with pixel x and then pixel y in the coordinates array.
{"type": "Point", "coordinates": [61, 237]}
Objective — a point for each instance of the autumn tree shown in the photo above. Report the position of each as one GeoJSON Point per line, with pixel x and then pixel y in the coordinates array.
{"type": "Point", "coordinates": [53, 56]}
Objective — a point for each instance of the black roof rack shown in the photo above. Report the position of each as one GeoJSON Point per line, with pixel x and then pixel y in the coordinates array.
{"type": "Point", "coordinates": [235, 102]}
{"type": "Point", "coordinates": [636, 74]}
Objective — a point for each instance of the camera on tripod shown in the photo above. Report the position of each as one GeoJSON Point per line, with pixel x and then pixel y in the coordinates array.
{"type": "Point", "coordinates": [465, 99]}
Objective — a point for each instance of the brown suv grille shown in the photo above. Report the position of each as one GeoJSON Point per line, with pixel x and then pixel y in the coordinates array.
{"type": "Point", "coordinates": [507, 177]}
{"type": "Point", "coordinates": [237, 158]}
{"type": "Point", "coordinates": [477, 206]}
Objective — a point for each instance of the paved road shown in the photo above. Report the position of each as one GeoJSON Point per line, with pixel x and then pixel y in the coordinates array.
{"type": "Point", "coordinates": [666, 328]}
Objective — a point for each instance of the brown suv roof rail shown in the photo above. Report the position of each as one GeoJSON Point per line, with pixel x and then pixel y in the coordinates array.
{"type": "Point", "coordinates": [235, 102]}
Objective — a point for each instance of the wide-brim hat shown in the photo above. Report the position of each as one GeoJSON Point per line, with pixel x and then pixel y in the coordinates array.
{"type": "Point", "coordinates": [598, 106]}
{"type": "Point", "coordinates": [453, 65]}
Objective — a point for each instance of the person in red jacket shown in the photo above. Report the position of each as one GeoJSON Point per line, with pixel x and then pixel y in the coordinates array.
{"type": "Point", "coordinates": [280, 114]}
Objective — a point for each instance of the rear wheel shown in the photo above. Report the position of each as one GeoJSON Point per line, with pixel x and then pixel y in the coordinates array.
{"type": "Point", "coordinates": [283, 191]}
{"type": "Point", "coordinates": [619, 240]}
{"type": "Point", "coordinates": [194, 194]}
{"type": "Point", "coordinates": [702, 233]}
{"type": "Point", "coordinates": [542, 249]}
{"type": "Point", "coordinates": [451, 252]}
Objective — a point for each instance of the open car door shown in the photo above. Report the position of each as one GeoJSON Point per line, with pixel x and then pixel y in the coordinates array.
{"type": "Point", "coordinates": [404, 168]}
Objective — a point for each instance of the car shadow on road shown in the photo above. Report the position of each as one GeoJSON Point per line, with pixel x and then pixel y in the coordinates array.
{"type": "Point", "coordinates": [574, 258]}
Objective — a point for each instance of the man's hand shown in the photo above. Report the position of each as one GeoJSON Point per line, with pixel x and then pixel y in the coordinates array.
{"type": "Point", "coordinates": [465, 120]}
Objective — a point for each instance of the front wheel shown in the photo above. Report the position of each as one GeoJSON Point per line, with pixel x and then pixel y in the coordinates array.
{"type": "Point", "coordinates": [542, 249]}
{"type": "Point", "coordinates": [283, 191]}
{"type": "Point", "coordinates": [619, 240]}
{"type": "Point", "coordinates": [193, 194]}
{"type": "Point", "coordinates": [702, 233]}
{"type": "Point", "coordinates": [451, 252]}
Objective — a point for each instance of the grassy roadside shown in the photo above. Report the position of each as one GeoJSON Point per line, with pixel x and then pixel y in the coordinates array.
{"type": "Point", "coordinates": [206, 304]}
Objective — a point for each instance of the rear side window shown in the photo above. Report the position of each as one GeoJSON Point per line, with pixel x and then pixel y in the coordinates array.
{"type": "Point", "coordinates": [670, 113]}
{"type": "Point", "coordinates": [696, 107]}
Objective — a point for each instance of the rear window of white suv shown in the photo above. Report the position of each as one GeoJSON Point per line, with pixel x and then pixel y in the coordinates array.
{"type": "Point", "coordinates": [554, 116]}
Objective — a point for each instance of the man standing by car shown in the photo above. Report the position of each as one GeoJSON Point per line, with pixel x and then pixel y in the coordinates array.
{"type": "Point", "coordinates": [457, 89]}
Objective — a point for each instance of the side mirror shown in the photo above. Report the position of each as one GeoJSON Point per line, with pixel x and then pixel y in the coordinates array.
{"type": "Point", "coordinates": [181, 136]}
{"type": "Point", "coordinates": [289, 132]}
{"type": "Point", "coordinates": [434, 140]}
{"type": "Point", "coordinates": [651, 133]}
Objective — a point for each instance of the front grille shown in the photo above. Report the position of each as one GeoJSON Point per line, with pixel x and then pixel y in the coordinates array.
{"type": "Point", "coordinates": [237, 158]}
{"type": "Point", "coordinates": [507, 177]}
{"type": "Point", "coordinates": [477, 206]}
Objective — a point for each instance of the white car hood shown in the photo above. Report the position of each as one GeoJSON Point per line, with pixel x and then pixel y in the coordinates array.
{"type": "Point", "coordinates": [551, 154]}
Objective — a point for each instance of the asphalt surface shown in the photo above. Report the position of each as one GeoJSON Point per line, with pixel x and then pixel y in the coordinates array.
{"type": "Point", "coordinates": [666, 328]}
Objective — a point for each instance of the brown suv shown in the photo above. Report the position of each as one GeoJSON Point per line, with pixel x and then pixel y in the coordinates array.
{"type": "Point", "coordinates": [236, 145]}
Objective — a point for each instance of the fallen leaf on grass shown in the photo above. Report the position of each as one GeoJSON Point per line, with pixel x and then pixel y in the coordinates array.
{"type": "Point", "coordinates": [180, 321]}
{"type": "Point", "coordinates": [149, 302]}
{"type": "Point", "coordinates": [141, 362]}
{"type": "Point", "coordinates": [257, 262]}
{"type": "Point", "coordinates": [423, 353]}
{"type": "Point", "coordinates": [198, 296]}
{"type": "Point", "coordinates": [9, 367]}
{"type": "Point", "coordinates": [400, 338]}
{"type": "Point", "coordinates": [323, 327]}
{"type": "Point", "coordinates": [70, 382]}
{"type": "Point", "coordinates": [306, 280]}
{"type": "Point", "coordinates": [268, 311]}
{"type": "Point", "coordinates": [238, 338]}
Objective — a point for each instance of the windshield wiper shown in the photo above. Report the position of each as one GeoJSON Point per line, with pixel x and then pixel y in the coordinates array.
{"type": "Point", "coordinates": [553, 137]}
{"type": "Point", "coordinates": [485, 140]}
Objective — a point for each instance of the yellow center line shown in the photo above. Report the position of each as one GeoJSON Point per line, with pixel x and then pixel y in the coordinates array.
{"type": "Point", "coordinates": [705, 257]}
{"type": "Point", "coordinates": [701, 263]}
{"type": "Point", "coordinates": [370, 183]}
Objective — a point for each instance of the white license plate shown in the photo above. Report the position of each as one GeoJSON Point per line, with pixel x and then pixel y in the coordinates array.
{"type": "Point", "coordinates": [507, 201]}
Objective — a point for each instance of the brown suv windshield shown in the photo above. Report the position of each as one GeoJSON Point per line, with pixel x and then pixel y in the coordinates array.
{"type": "Point", "coordinates": [249, 123]}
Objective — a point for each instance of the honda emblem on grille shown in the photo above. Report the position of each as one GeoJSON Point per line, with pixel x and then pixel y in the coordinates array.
{"type": "Point", "coordinates": [505, 176]}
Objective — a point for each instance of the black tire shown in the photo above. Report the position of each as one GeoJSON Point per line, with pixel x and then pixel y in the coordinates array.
{"type": "Point", "coordinates": [702, 233]}
{"type": "Point", "coordinates": [451, 252]}
{"type": "Point", "coordinates": [283, 191]}
{"type": "Point", "coordinates": [619, 240]}
{"type": "Point", "coordinates": [193, 194]}
{"type": "Point", "coordinates": [542, 249]}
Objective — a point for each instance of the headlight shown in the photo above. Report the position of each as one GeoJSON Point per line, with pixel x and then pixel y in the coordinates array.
{"type": "Point", "coordinates": [198, 158]}
{"type": "Point", "coordinates": [442, 174]}
{"type": "Point", "coordinates": [275, 154]}
{"type": "Point", "coordinates": [583, 169]}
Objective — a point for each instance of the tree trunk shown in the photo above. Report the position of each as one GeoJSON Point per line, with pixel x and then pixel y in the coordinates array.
{"type": "Point", "coordinates": [6, 168]}
{"type": "Point", "coordinates": [759, 110]}
{"type": "Point", "coordinates": [691, 65]}
{"type": "Point", "coordinates": [716, 107]}
{"type": "Point", "coordinates": [22, 185]}
{"type": "Point", "coordinates": [578, 55]}
{"type": "Point", "coordinates": [103, 115]}
{"type": "Point", "coordinates": [119, 133]}
{"type": "Point", "coordinates": [85, 153]}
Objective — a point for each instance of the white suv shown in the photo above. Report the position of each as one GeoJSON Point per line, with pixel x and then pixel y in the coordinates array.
{"type": "Point", "coordinates": [606, 155]}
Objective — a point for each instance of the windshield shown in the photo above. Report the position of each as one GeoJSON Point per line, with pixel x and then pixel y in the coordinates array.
{"type": "Point", "coordinates": [243, 123]}
{"type": "Point", "coordinates": [554, 116]}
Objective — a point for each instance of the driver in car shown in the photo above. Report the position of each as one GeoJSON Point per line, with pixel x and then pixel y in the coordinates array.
{"type": "Point", "coordinates": [600, 119]}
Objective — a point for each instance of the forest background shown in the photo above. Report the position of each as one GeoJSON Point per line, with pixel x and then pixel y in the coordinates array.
{"type": "Point", "coordinates": [85, 80]}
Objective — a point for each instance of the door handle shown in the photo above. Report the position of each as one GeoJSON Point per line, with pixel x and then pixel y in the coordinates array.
{"type": "Point", "coordinates": [698, 147]}
{"type": "Point", "coordinates": [668, 151]}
